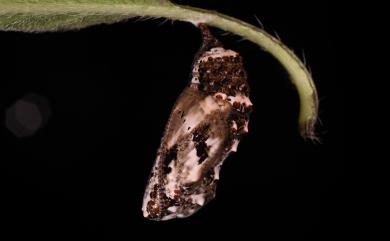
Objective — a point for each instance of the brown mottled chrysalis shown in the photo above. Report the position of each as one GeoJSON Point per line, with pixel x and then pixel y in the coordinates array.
{"type": "Point", "coordinates": [205, 126]}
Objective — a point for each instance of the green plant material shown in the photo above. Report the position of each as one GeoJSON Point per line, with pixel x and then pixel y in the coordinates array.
{"type": "Point", "coordinates": [57, 15]}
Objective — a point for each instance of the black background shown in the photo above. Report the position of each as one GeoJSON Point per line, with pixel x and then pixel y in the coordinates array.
{"type": "Point", "coordinates": [111, 89]}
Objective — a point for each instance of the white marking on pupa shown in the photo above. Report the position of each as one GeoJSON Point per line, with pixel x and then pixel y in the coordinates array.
{"type": "Point", "coordinates": [217, 169]}
{"type": "Point", "coordinates": [198, 199]}
{"type": "Point", "coordinates": [235, 145]}
{"type": "Point", "coordinates": [234, 126]}
{"type": "Point", "coordinates": [240, 99]}
{"type": "Point", "coordinates": [195, 116]}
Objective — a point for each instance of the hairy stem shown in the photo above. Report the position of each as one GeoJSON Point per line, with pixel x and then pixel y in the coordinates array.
{"type": "Point", "coordinates": [24, 16]}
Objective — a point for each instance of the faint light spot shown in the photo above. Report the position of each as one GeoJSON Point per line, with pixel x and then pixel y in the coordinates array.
{"type": "Point", "coordinates": [27, 115]}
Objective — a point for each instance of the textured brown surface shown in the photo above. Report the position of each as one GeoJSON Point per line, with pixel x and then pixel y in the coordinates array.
{"type": "Point", "coordinates": [202, 114]}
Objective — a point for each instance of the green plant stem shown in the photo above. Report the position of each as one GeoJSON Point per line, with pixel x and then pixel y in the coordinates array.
{"type": "Point", "coordinates": [297, 71]}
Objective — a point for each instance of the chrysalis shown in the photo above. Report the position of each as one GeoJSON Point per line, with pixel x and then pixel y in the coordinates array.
{"type": "Point", "coordinates": [205, 126]}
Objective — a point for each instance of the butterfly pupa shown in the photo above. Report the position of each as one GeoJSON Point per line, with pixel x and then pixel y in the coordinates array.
{"type": "Point", "coordinates": [206, 124]}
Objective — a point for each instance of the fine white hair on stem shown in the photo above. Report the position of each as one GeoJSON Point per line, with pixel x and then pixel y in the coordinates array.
{"type": "Point", "coordinates": [259, 22]}
{"type": "Point", "coordinates": [225, 33]}
{"type": "Point", "coordinates": [277, 36]}
{"type": "Point", "coordinates": [303, 57]}
{"type": "Point", "coordinates": [164, 20]}
{"type": "Point", "coordinates": [242, 39]}
{"type": "Point", "coordinates": [144, 18]}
